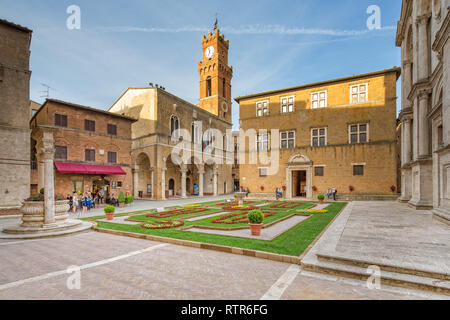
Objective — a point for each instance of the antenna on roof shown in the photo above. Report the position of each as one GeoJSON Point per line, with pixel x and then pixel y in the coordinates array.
{"type": "Point", "coordinates": [46, 91]}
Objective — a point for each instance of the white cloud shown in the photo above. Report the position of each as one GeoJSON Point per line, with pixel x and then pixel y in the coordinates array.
{"type": "Point", "coordinates": [250, 29]}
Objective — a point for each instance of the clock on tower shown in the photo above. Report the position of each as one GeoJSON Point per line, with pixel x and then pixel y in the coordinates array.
{"type": "Point", "coordinates": [215, 76]}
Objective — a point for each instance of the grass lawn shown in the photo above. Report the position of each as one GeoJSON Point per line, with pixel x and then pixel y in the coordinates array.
{"type": "Point", "coordinates": [292, 242]}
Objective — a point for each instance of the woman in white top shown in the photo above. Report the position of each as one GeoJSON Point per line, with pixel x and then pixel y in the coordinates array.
{"type": "Point", "coordinates": [74, 202]}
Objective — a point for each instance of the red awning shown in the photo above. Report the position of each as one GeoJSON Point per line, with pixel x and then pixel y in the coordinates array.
{"type": "Point", "coordinates": [64, 167]}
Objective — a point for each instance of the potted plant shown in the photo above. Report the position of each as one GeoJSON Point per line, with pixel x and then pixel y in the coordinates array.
{"type": "Point", "coordinates": [255, 221]}
{"type": "Point", "coordinates": [129, 199]}
{"type": "Point", "coordinates": [351, 188]}
{"type": "Point", "coordinates": [109, 212]}
{"type": "Point", "coordinates": [121, 199]}
{"type": "Point", "coordinates": [320, 197]}
{"type": "Point", "coordinates": [393, 188]}
{"type": "Point", "coordinates": [314, 188]}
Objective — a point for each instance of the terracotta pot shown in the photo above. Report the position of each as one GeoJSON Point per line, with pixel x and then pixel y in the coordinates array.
{"type": "Point", "coordinates": [109, 215]}
{"type": "Point", "coordinates": [320, 201]}
{"type": "Point", "coordinates": [255, 229]}
{"type": "Point", "coordinates": [121, 204]}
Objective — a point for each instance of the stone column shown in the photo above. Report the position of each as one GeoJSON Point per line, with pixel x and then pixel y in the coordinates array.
{"type": "Point", "coordinates": [163, 183]}
{"type": "Point", "coordinates": [48, 151]}
{"type": "Point", "coordinates": [215, 173]}
{"type": "Point", "coordinates": [183, 182]}
{"type": "Point", "coordinates": [41, 174]}
{"type": "Point", "coordinates": [423, 47]}
{"type": "Point", "coordinates": [152, 182]}
{"type": "Point", "coordinates": [406, 75]}
{"type": "Point", "coordinates": [423, 132]}
{"type": "Point", "coordinates": [135, 183]}
{"type": "Point", "coordinates": [415, 130]}
{"type": "Point", "coordinates": [200, 183]}
{"type": "Point", "coordinates": [406, 141]}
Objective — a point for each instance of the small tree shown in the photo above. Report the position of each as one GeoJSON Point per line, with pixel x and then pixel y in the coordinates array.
{"type": "Point", "coordinates": [41, 191]}
{"type": "Point", "coordinates": [121, 198]}
{"type": "Point", "coordinates": [129, 199]}
{"type": "Point", "coordinates": [255, 216]}
{"type": "Point", "coordinates": [320, 196]}
{"type": "Point", "coordinates": [109, 209]}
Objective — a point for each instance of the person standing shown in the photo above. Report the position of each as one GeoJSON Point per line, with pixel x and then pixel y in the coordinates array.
{"type": "Point", "coordinates": [74, 202]}
{"type": "Point", "coordinates": [334, 191]}
{"type": "Point", "coordinates": [329, 193]}
{"type": "Point", "coordinates": [84, 202]}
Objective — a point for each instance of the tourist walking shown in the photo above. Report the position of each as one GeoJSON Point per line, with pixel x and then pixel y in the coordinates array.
{"type": "Point", "coordinates": [329, 193]}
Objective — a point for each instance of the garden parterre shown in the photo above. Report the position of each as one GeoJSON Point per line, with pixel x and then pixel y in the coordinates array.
{"type": "Point", "coordinates": [172, 222]}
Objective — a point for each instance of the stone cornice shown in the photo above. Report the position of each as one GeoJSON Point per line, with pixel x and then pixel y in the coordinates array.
{"type": "Point", "coordinates": [422, 19]}
{"type": "Point", "coordinates": [406, 114]}
{"type": "Point", "coordinates": [435, 110]}
{"type": "Point", "coordinates": [419, 88]}
{"type": "Point", "coordinates": [442, 148]}
{"type": "Point", "coordinates": [402, 23]}
{"type": "Point", "coordinates": [442, 35]}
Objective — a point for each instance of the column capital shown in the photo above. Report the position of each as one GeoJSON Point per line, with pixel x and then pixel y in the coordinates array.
{"type": "Point", "coordinates": [422, 19]}
{"type": "Point", "coordinates": [201, 171]}
{"type": "Point", "coordinates": [423, 93]}
{"type": "Point", "coordinates": [163, 169]}
{"type": "Point", "coordinates": [183, 170]}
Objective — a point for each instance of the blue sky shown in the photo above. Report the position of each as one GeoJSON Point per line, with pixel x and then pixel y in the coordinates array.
{"type": "Point", "coordinates": [273, 44]}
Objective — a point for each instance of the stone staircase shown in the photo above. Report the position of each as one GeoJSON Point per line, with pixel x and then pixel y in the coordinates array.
{"type": "Point", "coordinates": [357, 239]}
{"type": "Point", "coordinates": [441, 215]}
{"type": "Point", "coordinates": [397, 276]}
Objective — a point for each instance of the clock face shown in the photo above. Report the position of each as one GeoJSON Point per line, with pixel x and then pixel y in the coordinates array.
{"type": "Point", "coordinates": [209, 52]}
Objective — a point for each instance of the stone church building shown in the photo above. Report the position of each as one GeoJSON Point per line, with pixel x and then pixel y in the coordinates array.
{"type": "Point", "coordinates": [159, 113]}
{"type": "Point", "coordinates": [14, 102]}
{"type": "Point", "coordinates": [423, 35]}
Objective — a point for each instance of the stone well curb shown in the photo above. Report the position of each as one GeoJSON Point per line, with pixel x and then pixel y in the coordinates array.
{"type": "Point", "coordinates": [201, 245]}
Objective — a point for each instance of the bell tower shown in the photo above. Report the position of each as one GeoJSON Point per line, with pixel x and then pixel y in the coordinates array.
{"type": "Point", "coordinates": [215, 75]}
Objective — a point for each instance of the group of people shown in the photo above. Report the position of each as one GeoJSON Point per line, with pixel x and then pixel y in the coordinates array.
{"type": "Point", "coordinates": [88, 200]}
{"type": "Point", "coordinates": [278, 193]}
{"type": "Point", "coordinates": [331, 192]}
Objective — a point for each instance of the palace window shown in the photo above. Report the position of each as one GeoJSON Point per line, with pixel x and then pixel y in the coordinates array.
{"type": "Point", "coordinates": [263, 172]}
{"type": "Point", "coordinates": [195, 132]}
{"type": "Point", "coordinates": [112, 157]}
{"type": "Point", "coordinates": [359, 133]}
{"type": "Point", "coordinates": [262, 108]}
{"type": "Point", "coordinates": [319, 137]}
{"type": "Point", "coordinates": [208, 86]}
{"type": "Point", "coordinates": [358, 93]}
{"type": "Point", "coordinates": [262, 142]}
{"type": "Point", "coordinates": [119, 184]}
{"type": "Point", "coordinates": [174, 126]}
{"type": "Point", "coordinates": [89, 125]}
{"type": "Point", "coordinates": [287, 104]}
{"type": "Point", "coordinates": [60, 120]}
{"type": "Point", "coordinates": [287, 139]}
{"type": "Point", "coordinates": [318, 171]}
{"type": "Point", "coordinates": [60, 153]}
{"type": "Point", "coordinates": [89, 155]}
{"type": "Point", "coordinates": [358, 170]}
{"type": "Point", "coordinates": [112, 129]}
{"type": "Point", "coordinates": [319, 99]}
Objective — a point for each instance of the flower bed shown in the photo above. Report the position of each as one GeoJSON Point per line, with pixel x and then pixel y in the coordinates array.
{"type": "Point", "coordinates": [287, 205]}
{"type": "Point", "coordinates": [234, 202]}
{"type": "Point", "coordinates": [176, 212]}
{"type": "Point", "coordinates": [313, 211]}
{"type": "Point", "coordinates": [240, 217]}
{"type": "Point", "coordinates": [163, 224]}
{"type": "Point", "coordinates": [239, 207]}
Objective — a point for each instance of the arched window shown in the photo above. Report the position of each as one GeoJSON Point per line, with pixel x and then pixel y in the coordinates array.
{"type": "Point", "coordinates": [208, 86]}
{"type": "Point", "coordinates": [174, 125]}
{"type": "Point", "coordinates": [223, 87]}
{"type": "Point", "coordinates": [195, 134]}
